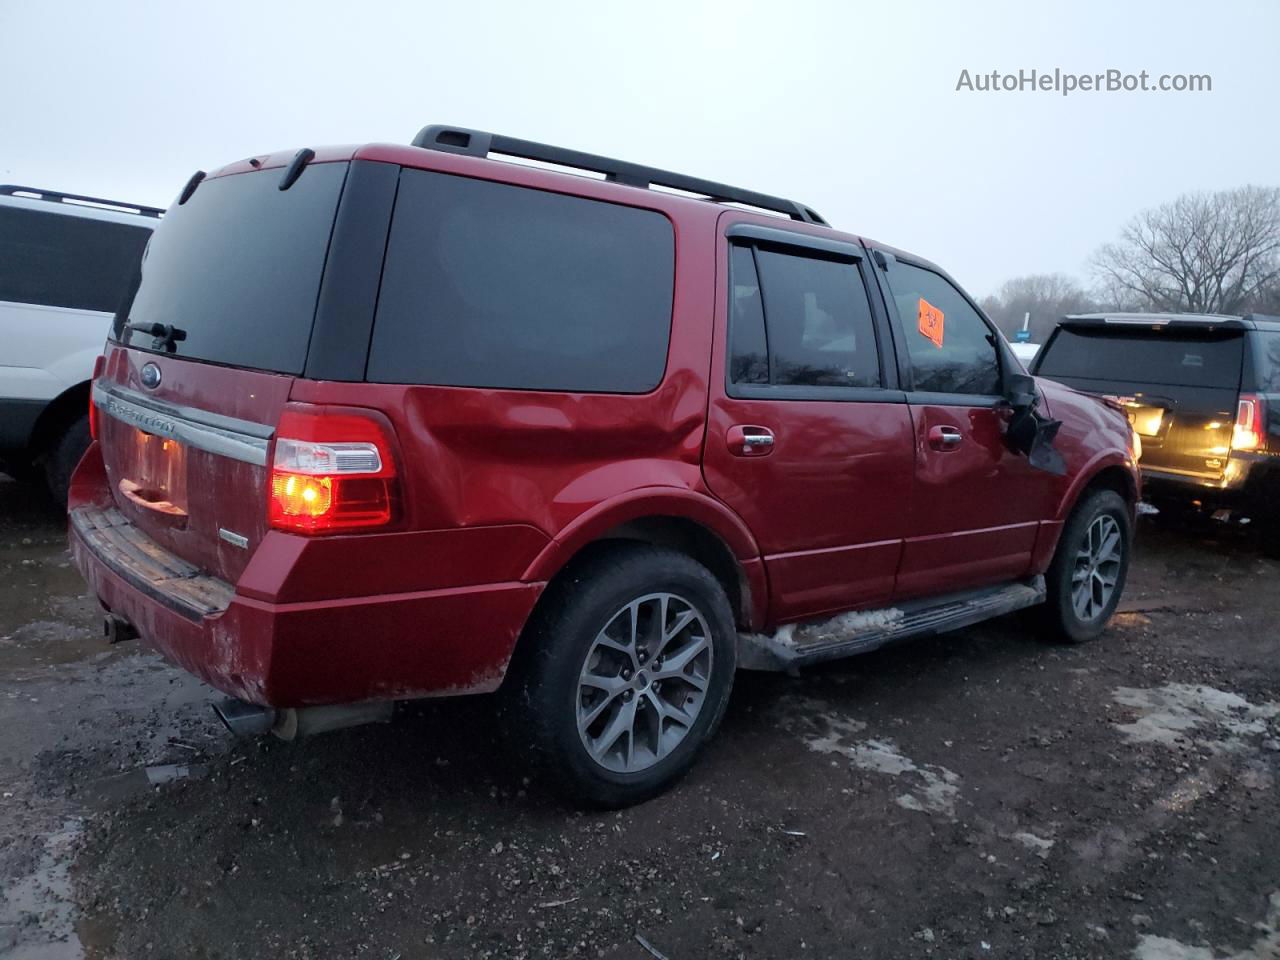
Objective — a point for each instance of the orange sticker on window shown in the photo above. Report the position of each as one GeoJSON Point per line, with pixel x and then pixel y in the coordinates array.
{"type": "Point", "coordinates": [929, 320]}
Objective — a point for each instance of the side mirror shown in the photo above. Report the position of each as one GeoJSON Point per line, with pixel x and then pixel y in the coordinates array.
{"type": "Point", "coordinates": [1030, 433]}
{"type": "Point", "coordinates": [1020, 391]}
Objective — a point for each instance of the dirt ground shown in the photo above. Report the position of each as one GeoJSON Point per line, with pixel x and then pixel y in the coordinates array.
{"type": "Point", "coordinates": [983, 794]}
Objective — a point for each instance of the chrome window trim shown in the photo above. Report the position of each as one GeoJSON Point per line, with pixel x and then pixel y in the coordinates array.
{"type": "Point", "coordinates": [242, 440]}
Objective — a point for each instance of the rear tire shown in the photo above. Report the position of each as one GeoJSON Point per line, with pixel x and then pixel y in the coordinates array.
{"type": "Point", "coordinates": [1086, 578]}
{"type": "Point", "coordinates": [622, 675]}
{"type": "Point", "coordinates": [1269, 536]}
{"type": "Point", "coordinates": [63, 457]}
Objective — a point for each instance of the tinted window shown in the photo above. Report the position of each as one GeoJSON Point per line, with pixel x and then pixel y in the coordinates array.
{"type": "Point", "coordinates": [1156, 358]}
{"type": "Point", "coordinates": [817, 327]}
{"type": "Point", "coordinates": [238, 267]}
{"type": "Point", "coordinates": [749, 348]}
{"type": "Point", "coordinates": [952, 349]}
{"type": "Point", "coordinates": [61, 260]}
{"type": "Point", "coordinates": [1268, 344]}
{"type": "Point", "coordinates": [490, 285]}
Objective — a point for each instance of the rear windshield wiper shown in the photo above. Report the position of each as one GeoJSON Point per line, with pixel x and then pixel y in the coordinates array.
{"type": "Point", "coordinates": [165, 335]}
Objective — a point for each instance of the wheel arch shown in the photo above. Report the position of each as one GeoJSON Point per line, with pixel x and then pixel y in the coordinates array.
{"type": "Point", "coordinates": [60, 412]}
{"type": "Point", "coordinates": [1108, 471]}
{"type": "Point", "coordinates": [690, 522]}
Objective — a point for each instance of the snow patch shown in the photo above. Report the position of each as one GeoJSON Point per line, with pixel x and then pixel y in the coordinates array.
{"type": "Point", "coordinates": [1040, 845]}
{"type": "Point", "coordinates": [1217, 720]}
{"type": "Point", "coordinates": [1266, 947]}
{"type": "Point", "coordinates": [933, 789]}
{"type": "Point", "coordinates": [844, 627]}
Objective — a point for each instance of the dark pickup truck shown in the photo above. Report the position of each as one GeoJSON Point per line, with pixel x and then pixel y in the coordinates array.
{"type": "Point", "coordinates": [1203, 394]}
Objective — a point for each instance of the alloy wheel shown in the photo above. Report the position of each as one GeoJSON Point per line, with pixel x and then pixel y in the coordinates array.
{"type": "Point", "coordinates": [1097, 568]}
{"type": "Point", "coordinates": [644, 682]}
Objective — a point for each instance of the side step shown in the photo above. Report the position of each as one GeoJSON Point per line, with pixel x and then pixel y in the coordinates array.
{"type": "Point", "coordinates": [801, 644]}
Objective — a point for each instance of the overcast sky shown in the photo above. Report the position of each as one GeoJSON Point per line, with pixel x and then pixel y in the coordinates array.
{"type": "Point", "coordinates": [848, 107]}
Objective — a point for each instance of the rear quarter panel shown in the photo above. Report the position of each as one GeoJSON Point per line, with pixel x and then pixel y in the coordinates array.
{"type": "Point", "coordinates": [566, 465]}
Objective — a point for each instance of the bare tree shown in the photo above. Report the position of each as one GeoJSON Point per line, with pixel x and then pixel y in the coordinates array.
{"type": "Point", "coordinates": [1202, 253]}
{"type": "Point", "coordinates": [1046, 296]}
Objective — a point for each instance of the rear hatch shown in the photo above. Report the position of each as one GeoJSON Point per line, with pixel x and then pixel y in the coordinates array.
{"type": "Point", "coordinates": [185, 422]}
{"type": "Point", "coordinates": [1179, 382]}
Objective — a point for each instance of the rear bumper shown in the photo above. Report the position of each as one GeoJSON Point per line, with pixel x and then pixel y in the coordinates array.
{"type": "Point", "coordinates": [1250, 482]}
{"type": "Point", "coordinates": [397, 646]}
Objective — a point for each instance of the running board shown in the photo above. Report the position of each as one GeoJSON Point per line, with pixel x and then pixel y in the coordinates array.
{"type": "Point", "coordinates": [801, 644]}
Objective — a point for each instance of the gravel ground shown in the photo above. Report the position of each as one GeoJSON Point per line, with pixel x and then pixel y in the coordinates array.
{"type": "Point", "coordinates": [983, 794]}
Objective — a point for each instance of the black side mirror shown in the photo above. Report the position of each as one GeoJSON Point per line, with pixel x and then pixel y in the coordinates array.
{"type": "Point", "coordinates": [1020, 391]}
{"type": "Point", "coordinates": [1029, 432]}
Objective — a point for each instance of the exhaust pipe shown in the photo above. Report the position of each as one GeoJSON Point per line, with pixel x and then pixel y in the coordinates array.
{"type": "Point", "coordinates": [251, 720]}
{"type": "Point", "coordinates": [245, 719]}
{"type": "Point", "coordinates": [118, 629]}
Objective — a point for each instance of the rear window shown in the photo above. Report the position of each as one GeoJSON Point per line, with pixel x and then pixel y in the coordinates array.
{"type": "Point", "coordinates": [491, 285]}
{"type": "Point", "coordinates": [61, 260]}
{"type": "Point", "coordinates": [238, 268]}
{"type": "Point", "coordinates": [1179, 360]}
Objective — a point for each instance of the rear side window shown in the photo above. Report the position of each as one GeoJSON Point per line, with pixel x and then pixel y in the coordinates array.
{"type": "Point", "coordinates": [1268, 344]}
{"type": "Point", "coordinates": [491, 285]}
{"type": "Point", "coordinates": [61, 260]}
{"type": "Point", "coordinates": [799, 320]}
{"type": "Point", "coordinates": [238, 267]}
{"type": "Point", "coordinates": [952, 350]}
{"type": "Point", "coordinates": [1158, 357]}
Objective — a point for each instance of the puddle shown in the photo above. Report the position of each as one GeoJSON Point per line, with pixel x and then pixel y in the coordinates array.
{"type": "Point", "coordinates": [37, 910]}
{"type": "Point", "coordinates": [1266, 947]}
{"type": "Point", "coordinates": [1212, 719]}
{"type": "Point", "coordinates": [929, 788]}
{"type": "Point", "coordinates": [47, 616]}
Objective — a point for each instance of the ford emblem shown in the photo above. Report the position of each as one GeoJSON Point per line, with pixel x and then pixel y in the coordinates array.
{"type": "Point", "coordinates": [150, 376]}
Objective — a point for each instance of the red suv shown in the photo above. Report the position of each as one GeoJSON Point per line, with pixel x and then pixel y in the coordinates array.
{"type": "Point", "coordinates": [390, 422]}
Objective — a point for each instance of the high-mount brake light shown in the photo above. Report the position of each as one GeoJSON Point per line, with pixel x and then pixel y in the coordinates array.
{"type": "Point", "coordinates": [331, 473]}
{"type": "Point", "coordinates": [1247, 434]}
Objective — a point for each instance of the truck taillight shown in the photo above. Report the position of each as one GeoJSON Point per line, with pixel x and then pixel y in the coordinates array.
{"type": "Point", "coordinates": [99, 365]}
{"type": "Point", "coordinates": [331, 473]}
{"type": "Point", "coordinates": [1248, 432]}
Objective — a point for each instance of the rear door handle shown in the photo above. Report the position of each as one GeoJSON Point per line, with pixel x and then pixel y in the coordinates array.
{"type": "Point", "coordinates": [747, 441]}
{"type": "Point", "coordinates": [945, 438]}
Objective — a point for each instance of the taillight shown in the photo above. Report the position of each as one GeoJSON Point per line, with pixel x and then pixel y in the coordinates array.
{"type": "Point", "coordinates": [331, 472]}
{"type": "Point", "coordinates": [99, 365]}
{"type": "Point", "coordinates": [1248, 432]}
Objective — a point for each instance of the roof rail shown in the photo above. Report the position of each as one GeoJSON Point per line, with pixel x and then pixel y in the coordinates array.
{"type": "Point", "coordinates": [75, 199]}
{"type": "Point", "coordinates": [477, 143]}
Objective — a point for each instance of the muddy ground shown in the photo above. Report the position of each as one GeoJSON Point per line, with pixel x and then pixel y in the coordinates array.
{"type": "Point", "coordinates": [983, 794]}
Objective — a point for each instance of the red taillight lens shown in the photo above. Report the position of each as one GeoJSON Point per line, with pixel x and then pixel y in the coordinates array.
{"type": "Point", "coordinates": [331, 473]}
{"type": "Point", "coordinates": [99, 365]}
{"type": "Point", "coordinates": [1248, 432]}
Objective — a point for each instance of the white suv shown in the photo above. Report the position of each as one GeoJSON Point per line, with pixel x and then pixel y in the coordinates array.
{"type": "Point", "coordinates": [65, 263]}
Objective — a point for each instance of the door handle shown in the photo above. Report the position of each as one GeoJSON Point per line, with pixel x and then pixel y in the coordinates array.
{"type": "Point", "coordinates": [745, 441]}
{"type": "Point", "coordinates": [945, 438]}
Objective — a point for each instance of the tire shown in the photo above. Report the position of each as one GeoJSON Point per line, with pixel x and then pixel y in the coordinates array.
{"type": "Point", "coordinates": [577, 666]}
{"type": "Point", "coordinates": [63, 457]}
{"type": "Point", "coordinates": [1269, 537]}
{"type": "Point", "coordinates": [1074, 616]}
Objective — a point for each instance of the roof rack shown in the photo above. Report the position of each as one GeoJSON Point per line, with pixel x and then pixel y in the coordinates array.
{"type": "Point", "coordinates": [75, 199]}
{"type": "Point", "coordinates": [477, 143]}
